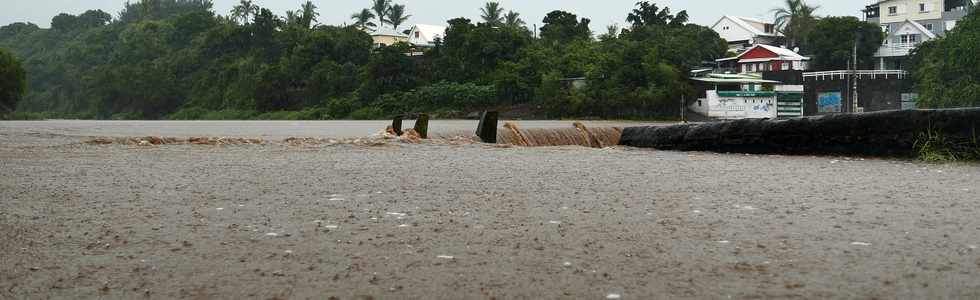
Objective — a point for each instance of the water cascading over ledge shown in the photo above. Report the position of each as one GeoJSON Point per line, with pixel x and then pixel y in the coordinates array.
{"type": "Point", "coordinates": [576, 135]}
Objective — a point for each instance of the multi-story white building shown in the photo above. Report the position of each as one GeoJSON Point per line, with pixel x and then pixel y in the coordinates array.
{"type": "Point", "coordinates": [743, 33]}
{"type": "Point", "coordinates": [907, 23]}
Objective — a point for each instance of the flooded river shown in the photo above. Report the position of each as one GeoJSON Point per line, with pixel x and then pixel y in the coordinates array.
{"type": "Point", "coordinates": [260, 129]}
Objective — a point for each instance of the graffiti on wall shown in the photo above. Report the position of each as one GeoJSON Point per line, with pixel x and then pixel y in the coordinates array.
{"type": "Point", "coordinates": [829, 102]}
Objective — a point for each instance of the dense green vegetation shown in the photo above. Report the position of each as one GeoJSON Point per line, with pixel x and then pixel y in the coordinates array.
{"type": "Point", "coordinates": [179, 59]}
{"type": "Point", "coordinates": [832, 40]}
{"type": "Point", "coordinates": [947, 69]}
{"type": "Point", "coordinates": [12, 82]}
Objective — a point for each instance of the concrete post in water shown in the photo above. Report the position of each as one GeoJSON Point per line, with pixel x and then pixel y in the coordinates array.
{"type": "Point", "coordinates": [422, 126]}
{"type": "Point", "coordinates": [396, 124]}
{"type": "Point", "coordinates": [487, 130]}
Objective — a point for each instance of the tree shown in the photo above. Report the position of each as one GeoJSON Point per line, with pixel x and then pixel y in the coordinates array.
{"type": "Point", "coordinates": [362, 20]}
{"type": "Point", "coordinates": [381, 9]}
{"type": "Point", "coordinates": [795, 21]}
{"type": "Point", "coordinates": [513, 19]}
{"type": "Point", "coordinates": [244, 10]}
{"type": "Point", "coordinates": [397, 16]}
{"type": "Point", "coordinates": [563, 27]}
{"type": "Point", "coordinates": [12, 81]}
{"type": "Point", "coordinates": [832, 42]}
{"type": "Point", "coordinates": [308, 14]}
{"type": "Point", "coordinates": [946, 69]}
{"type": "Point", "coordinates": [649, 14]}
{"type": "Point", "coordinates": [492, 13]}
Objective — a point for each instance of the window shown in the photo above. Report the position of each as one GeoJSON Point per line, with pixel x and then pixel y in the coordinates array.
{"type": "Point", "coordinates": [910, 38]}
{"type": "Point", "coordinates": [418, 35]}
{"type": "Point", "coordinates": [770, 28]}
{"type": "Point", "coordinates": [785, 66]}
{"type": "Point", "coordinates": [929, 26]}
{"type": "Point", "coordinates": [922, 7]}
{"type": "Point", "coordinates": [893, 10]}
{"type": "Point", "coordinates": [725, 28]}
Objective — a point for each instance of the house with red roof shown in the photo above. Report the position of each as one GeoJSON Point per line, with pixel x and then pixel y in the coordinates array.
{"type": "Point", "coordinates": [764, 58]}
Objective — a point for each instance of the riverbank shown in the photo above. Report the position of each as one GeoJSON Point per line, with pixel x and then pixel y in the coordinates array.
{"type": "Point", "coordinates": [410, 221]}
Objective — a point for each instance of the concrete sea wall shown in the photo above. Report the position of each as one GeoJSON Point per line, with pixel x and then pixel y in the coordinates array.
{"type": "Point", "coordinates": [885, 133]}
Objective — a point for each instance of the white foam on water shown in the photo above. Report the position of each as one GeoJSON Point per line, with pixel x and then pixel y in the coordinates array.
{"type": "Point", "coordinates": [220, 208]}
{"type": "Point", "coordinates": [335, 199]}
{"type": "Point", "coordinates": [404, 225]}
{"type": "Point", "coordinates": [860, 244]}
{"type": "Point", "coordinates": [445, 257]}
{"type": "Point", "coordinates": [272, 234]}
{"type": "Point", "coordinates": [614, 296]}
{"type": "Point", "coordinates": [554, 222]}
{"type": "Point", "coordinates": [723, 242]}
{"type": "Point", "coordinates": [331, 226]}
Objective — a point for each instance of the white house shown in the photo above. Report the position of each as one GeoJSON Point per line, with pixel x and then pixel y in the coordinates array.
{"type": "Point", "coordinates": [907, 23]}
{"type": "Point", "coordinates": [742, 33]}
{"type": "Point", "coordinates": [387, 37]}
{"type": "Point", "coordinates": [425, 35]}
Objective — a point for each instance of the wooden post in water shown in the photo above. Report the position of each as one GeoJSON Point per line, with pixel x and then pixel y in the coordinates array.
{"type": "Point", "coordinates": [422, 126]}
{"type": "Point", "coordinates": [487, 130]}
{"type": "Point", "coordinates": [396, 124]}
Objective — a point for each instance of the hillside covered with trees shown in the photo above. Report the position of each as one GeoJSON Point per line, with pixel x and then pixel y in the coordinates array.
{"type": "Point", "coordinates": [179, 59]}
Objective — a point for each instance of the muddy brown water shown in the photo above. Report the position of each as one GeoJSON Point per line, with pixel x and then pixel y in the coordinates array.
{"type": "Point", "coordinates": [473, 221]}
{"type": "Point", "coordinates": [269, 130]}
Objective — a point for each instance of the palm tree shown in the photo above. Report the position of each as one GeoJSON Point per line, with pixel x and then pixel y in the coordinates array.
{"type": "Point", "coordinates": [397, 16]}
{"type": "Point", "coordinates": [381, 8]}
{"type": "Point", "coordinates": [363, 19]}
{"type": "Point", "coordinates": [492, 13]}
{"type": "Point", "coordinates": [513, 19]}
{"type": "Point", "coordinates": [244, 10]}
{"type": "Point", "coordinates": [308, 14]}
{"type": "Point", "coordinates": [795, 20]}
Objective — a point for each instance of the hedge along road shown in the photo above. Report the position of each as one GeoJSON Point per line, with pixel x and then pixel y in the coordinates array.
{"type": "Point", "coordinates": [474, 221]}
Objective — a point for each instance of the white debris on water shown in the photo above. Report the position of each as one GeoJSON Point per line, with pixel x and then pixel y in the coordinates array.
{"type": "Point", "coordinates": [220, 208]}
{"type": "Point", "coordinates": [379, 192]}
{"type": "Point", "coordinates": [404, 226]}
{"type": "Point", "coordinates": [272, 234]}
{"type": "Point", "coordinates": [723, 242]}
{"type": "Point", "coordinates": [331, 226]}
{"type": "Point", "coordinates": [697, 211]}
{"type": "Point", "coordinates": [834, 161]}
{"type": "Point", "coordinates": [974, 247]}
{"type": "Point", "coordinates": [614, 296]}
{"type": "Point", "coordinates": [564, 208]}
{"type": "Point", "coordinates": [288, 252]}
{"type": "Point", "coordinates": [566, 264]}
{"type": "Point", "coordinates": [860, 244]}
{"type": "Point", "coordinates": [335, 199]}
{"type": "Point", "coordinates": [397, 215]}
{"type": "Point", "coordinates": [554, 222]}
{"type": "Point", "coordinates": [445, 257]}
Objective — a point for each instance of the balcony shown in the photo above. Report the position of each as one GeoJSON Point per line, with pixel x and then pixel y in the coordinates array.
{"type": "Point", "coordinates": [895, 49]}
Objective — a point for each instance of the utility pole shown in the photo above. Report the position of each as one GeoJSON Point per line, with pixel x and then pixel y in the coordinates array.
{"type": "Point", "coordinates": [854, 97]}
{"type": "Point", "coordinates": [683, 109]}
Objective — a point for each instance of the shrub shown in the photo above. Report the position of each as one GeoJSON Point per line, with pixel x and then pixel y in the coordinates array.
{"type": "Point", "coordinates": [936, 146]}
{"type": "Point", "coordinates": [368, 113]}
{"type": "Point", "coordinates": [442, 96]}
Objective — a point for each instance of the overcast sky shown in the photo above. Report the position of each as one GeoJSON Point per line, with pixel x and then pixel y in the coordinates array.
{"type": "Point", "coordinates": [437, 12]}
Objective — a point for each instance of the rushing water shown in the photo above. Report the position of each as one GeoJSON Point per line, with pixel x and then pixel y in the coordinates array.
{"type": "Point", "coordinates": [270, 130]}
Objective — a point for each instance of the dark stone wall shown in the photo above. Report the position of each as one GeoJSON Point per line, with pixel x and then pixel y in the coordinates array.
{"type": "Point", "coordinates": [885, 133]}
